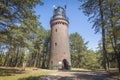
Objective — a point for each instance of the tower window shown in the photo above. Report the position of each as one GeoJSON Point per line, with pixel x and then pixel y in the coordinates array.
{"type": "Point", "coordinates": [55, 44]}
{"type": "Point", "coordinates": [56, 30]}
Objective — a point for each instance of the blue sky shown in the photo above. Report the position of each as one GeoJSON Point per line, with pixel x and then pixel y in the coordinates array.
{"type": "Point", "coordinates": [78, 21]}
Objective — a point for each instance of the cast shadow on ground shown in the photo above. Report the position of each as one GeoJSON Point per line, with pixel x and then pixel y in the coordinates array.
{"type": "Point", "coordinates": [48, 77]}
{"type": "Point", "coordinates": [80, 75]}
{"type": "Point", "coordinates": [9, 72]}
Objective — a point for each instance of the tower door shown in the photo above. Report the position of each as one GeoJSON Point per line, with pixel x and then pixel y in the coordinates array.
{"type": "Point", "coordinates": [65, 64]}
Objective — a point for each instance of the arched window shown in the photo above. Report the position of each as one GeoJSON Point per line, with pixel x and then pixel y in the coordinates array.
{"type": "Point", "coordinates": [56, 30]}
{"type": "Point", "coordinates": [55, 44]}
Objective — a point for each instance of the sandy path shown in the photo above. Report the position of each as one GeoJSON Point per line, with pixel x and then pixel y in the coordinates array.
{"type": "Point", "coordinates": [78, 75]}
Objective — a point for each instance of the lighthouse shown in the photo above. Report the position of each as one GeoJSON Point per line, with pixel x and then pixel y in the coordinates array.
{"type": "Point", "coordinates": [60, 52]}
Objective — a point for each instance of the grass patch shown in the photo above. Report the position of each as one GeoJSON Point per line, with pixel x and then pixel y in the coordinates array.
{"type": "Point", "coordinates": [17, 74]}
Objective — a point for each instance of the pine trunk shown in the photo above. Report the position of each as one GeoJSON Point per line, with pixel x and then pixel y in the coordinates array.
{"type": "Point", "coordinates": [106, 65]}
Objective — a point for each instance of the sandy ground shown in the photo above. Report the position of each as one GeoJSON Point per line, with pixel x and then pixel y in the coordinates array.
{"type": "Point", "coordinates": [74, 74]}
{"type": "Point", "coordinates": [81, 75]}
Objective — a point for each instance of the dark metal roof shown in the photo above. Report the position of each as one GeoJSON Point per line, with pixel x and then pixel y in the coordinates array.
{"type": "Point", "coordinates": [59, 11]}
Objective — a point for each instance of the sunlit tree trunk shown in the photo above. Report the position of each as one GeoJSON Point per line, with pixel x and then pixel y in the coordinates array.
{"type": "Point", "coordinates": [106, 66]}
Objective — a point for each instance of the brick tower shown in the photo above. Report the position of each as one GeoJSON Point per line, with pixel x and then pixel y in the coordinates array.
{"type": "Point", "coordinates": [60, 53]}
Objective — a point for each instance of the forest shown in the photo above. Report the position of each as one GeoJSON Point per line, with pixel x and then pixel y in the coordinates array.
{"type": "Point", "coordinates": [24, 39]}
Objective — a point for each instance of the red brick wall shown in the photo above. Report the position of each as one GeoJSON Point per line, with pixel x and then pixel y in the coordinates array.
{"type": "Point", "coordinates": [59, 42]}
